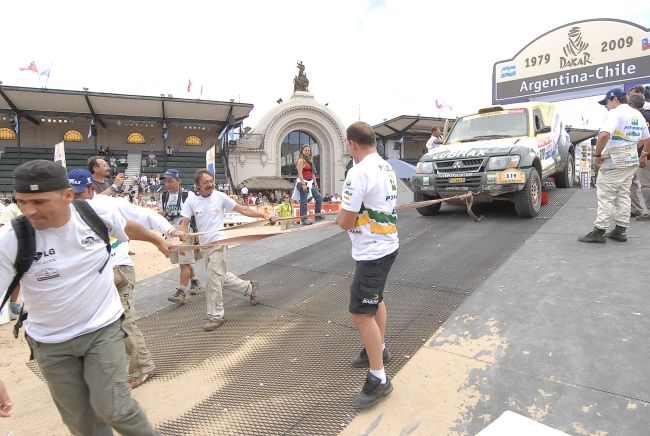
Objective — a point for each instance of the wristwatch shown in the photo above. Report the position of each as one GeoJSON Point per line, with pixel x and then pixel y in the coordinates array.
{"type": "Point", "coordinates": [114, 188]}
{"type": "Point", "coordinates": [597, 155]}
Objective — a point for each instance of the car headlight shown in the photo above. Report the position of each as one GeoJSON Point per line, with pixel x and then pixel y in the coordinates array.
{"type": "Point", "coordinates": [502, 162]}
{"type": "Point", "coordinates": [425, 167]}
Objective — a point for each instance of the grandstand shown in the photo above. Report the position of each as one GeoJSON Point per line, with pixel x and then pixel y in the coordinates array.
{"type": "Point", "coordinates": [187, 163]}
{"type": "Point", "coordinates": [32, 120]}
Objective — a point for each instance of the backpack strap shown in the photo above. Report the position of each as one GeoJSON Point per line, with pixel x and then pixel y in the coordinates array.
{"type": "Point", "coordinates": [25, 254]}
{"type": "Point", "coordinates": [90, 217]}
{"type": "Point", "coordinates": [165, 198]}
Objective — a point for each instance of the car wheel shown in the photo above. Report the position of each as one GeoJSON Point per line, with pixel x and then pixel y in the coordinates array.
{"type": "Point", "coordinates": [427, 210]}
{"type": "Point", "coordinates": [528, 201]}
{"type": "Point", "coordinates": [566, 178]}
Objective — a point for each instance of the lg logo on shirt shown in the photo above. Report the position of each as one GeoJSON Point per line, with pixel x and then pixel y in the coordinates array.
{"type": "Point", "coordinates": [39, 254]}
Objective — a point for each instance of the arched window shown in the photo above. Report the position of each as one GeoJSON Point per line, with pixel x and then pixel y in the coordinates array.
{"type": "Point", "coordinates": [291, 149]}
{"type": "Point", "coordinates": [193, 141]}
{"type": "Point", "coordinates": [72, 136]}
{"type": "Point", "coordinates": [135, 138]}
{"type": "Point", "coordinates": [7, 134]}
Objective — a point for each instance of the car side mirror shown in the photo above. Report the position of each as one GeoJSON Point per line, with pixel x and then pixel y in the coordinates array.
{"type": "Point", "coordinates": [546, 129]}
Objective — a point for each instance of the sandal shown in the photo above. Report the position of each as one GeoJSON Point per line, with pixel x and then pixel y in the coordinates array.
{"type": "Point", "coordinates": [141, 379]}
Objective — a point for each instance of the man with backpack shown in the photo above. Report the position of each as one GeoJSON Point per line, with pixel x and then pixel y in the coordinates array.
{"type": "Point", "coordinates": [171, 202]}
{"type": "Point", "coordinates": [140, 364]}
{"type": "Point", "coordinates": [74, 326]}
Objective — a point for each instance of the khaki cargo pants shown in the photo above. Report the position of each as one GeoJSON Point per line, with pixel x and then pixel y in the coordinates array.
{"type": "Point", "coordinates": [88, 384]}
{"type": "Point", "coordinates": [613, 193]}
{"type": "Point", "coordinates": [219, 279]}
{"type": "Point", "coordinates": [140, 361]}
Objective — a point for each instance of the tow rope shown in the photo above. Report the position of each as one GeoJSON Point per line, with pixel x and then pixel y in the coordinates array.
{"type": "Point", "coordinates": [250, 237]}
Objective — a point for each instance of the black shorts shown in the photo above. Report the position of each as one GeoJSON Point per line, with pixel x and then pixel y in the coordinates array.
{"type": "Point", "coordinates": [367, 289]}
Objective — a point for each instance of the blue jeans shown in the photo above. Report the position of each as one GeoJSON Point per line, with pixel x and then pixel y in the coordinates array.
{"type": "Point", "coordinates": [318, 198]}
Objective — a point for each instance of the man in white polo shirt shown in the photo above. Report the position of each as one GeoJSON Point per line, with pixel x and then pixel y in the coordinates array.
{"type": "Point", "coordinates": [208, 208]}
{"type": "Point", "coordinates": [624, 129]}
{"type": "Point", "coordinates": [74, 325]}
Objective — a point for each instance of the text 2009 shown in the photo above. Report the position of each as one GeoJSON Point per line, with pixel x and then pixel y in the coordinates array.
{"type": "Point", "coordinates": [614, 44]}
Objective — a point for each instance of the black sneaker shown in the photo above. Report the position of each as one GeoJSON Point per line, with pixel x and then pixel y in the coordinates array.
{"type": "Point", "coordinates": [596, 235]}
{"type": "Point", "coordinates": [373, 391]}
{"type": "Point", "coordinates": [361, 359]}
{"type": "Point", "coordinates": [618, 234]}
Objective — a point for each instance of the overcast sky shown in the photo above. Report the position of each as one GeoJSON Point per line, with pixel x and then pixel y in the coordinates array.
{"type": "Point", "coordinates": [372, 59]}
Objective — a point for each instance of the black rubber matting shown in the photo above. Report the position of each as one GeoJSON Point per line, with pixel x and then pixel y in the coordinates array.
{"type": "Point", "coordinates": [283, 367]}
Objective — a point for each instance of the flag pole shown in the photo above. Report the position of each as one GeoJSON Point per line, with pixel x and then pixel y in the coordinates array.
{"type": "Point", "coordinates": [49, 71]}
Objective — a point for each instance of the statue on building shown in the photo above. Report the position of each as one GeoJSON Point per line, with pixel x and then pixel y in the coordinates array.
{"type": "Point", "coordinates": [300, 82]}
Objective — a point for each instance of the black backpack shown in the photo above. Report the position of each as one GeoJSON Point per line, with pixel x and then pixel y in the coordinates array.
{"type": "Point", "coordinates": [27, 241]}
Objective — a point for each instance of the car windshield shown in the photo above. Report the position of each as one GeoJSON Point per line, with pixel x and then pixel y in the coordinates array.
{"type": "Point", "coordinates": [495, 125]}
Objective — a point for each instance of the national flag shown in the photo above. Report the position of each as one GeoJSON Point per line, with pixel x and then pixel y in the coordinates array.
{"type": "Point", "coordinates": [189, 85]}
{"type": "Point", "coordinates": [438, 105]}
{"type": "Point", "coordinates": [46, 72]}
{"type": "Point", "coordinates": [31, 67]}
{"type": "Point", "coordinates": [645, 44]}
{"type": "Point", "coordinates": [201, 93]}
{"type": "Point", "coordinates": [508, 71]}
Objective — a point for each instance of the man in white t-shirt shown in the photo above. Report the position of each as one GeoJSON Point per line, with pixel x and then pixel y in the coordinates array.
{"type": "Point", "coordinates": [208, 209]}
{"type": "Point", "coordinates": [74, 325]}
{"type": "Point", "coordinates": [140, 364]}
{"type": "Point", "coordinates": [368, 214]}
{"type": "Point", "coordinates": [616, 155]}
{"type": "Point", "coordinates": [435, 140]}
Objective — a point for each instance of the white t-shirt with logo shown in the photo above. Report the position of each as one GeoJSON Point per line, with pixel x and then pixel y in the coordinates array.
{"type": "Point", "coordinates": [146, 217]}
{"type": "Point", "coordinates": [626, 126]}
{"type": "Point", "coordinates": [208, 213]}
{"type": "Point", "coordinates": [64, 292]}
{"type": "Point", "coordinates": [371, 190]}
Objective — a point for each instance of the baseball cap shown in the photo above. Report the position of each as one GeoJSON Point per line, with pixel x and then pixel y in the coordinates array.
{"type": "Point", "coordinates": [616, 92]}
{"type": "Point", "coordinates": [171, 173]}
{"type": "Point", "coordinates": [79, 179]}
{"type": "Point", "coordinates": [40, 176]}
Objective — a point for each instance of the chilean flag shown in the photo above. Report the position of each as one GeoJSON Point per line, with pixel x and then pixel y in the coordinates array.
{"type": "Point", "coordinates": [189, 85]}
{"type": "Point", "coordinates": [31, 67]}
{"type": "Point", "coordinates": [438, 105]}
{"type": "Point", "coordinates": [645, 44]}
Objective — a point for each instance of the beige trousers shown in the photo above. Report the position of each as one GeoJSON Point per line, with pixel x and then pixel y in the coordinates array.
{"type": "Point", "coordinates": [613, 193]}
{"type": "Point", "coordinates": [219, 279]}
{"type": "Point", "coordinates": [140, 361]}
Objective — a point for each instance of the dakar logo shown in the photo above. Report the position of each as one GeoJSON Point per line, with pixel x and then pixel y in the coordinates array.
{"type": "Point", "coordinates": [575, 51]}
